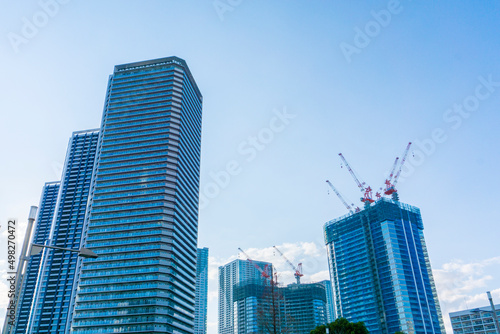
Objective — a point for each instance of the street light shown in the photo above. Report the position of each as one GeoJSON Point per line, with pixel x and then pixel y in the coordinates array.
{"type": "Point", "coordinates": [34, 249]}
{"type": "Point", "coordinates": [82, 252]}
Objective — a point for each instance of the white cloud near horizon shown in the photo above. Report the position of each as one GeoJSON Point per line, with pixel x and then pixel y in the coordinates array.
{"type": "Point", "coordinates": [463, 285]}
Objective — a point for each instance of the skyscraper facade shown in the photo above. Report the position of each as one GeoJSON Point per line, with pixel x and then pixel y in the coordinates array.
{"type": "Point", "coordinates": [201, 295]}
{"type": "Point", "coordinates": [380, 270]}
{"type": "Point", "coordinates": [41, 234]}
{"type": "Point", "coordinates": [143, 213]}
{"type": "Point", "coordinates": [330, 304]}
{"type": "Point", "coordinates": [235, 272]}
{"type": "Point", "coordinates": [55, 286]}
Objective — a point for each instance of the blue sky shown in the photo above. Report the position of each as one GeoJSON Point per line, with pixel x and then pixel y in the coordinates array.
{"type": "Point", "coordinates": [406, 81]}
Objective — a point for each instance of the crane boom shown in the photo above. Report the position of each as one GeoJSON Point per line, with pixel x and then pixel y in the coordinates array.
{"type": "Point", "coordinates": [262, 272]}
{"type": "Point", "coordinates": [339, 196]}
{"type": "Point", "coordinates": [393, 169]}
{"type": "Point", "coordinates": [361, 185]}
{"type": "Point", "coordinates": [367, 197]}
{"type": "Point", "coordinates": [388, 184]}
{"type": "Point", "coordinates": [298, 270]}
{"type": "Point", "coordinates": [401, 165]}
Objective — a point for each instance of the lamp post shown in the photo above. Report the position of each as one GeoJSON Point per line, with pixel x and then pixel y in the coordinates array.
{"type": "Point", "coordinates": [82, 252]}
{"type": "Point", "coordinates": [495, 317]}
{"type": "Point", "coordinates": [34, 249]}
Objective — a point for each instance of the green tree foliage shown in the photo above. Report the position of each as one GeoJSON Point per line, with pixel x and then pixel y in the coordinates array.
{"type": "Point", "coordinates": [342, 326]}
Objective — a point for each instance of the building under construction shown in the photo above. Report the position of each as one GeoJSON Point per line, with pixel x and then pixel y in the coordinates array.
{"type": "Point", "coordinates": [261, 306]}
{"type": "Point", "coordinates": [380, 269]}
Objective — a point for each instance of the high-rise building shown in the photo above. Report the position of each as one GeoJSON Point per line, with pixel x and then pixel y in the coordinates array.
{"type": "Point", "coordinates": [262, 307]}
{"type": "Point", "coordinates": [41, 234]}
{"type": "Point", "coordinates": [235, 272]}
{"type": "Point", "coordinates": [380, 270]}
{"type": "Point", "coordinates": [143, 213]}
{"type": "Point", "coordinates": [330, 304]}
{"type": "Point", "coordinates": [201, 295]}
{"type": "Point", "coordinates": [55, 286]}
{"type": "Point", "coordinates": [478, 320]}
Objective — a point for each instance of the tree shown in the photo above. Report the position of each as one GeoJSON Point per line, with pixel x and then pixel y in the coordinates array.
{"type": "Point", "coordinates": [342, 326]}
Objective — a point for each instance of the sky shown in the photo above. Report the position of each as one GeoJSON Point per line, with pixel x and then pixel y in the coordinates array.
{"type": "Point", "coordinates": [287, 85]}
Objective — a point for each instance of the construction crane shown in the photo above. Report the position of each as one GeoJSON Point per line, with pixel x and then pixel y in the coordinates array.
{"type": "Point", "coordinates": [263, 272]}
{"type": "Point", "coordinates": [391, 187]}
{"type": "Point", "coordinates": [298, 270]}
{"type": "Point", "coordinates": [349, 207]}
{"type": "Point", "coordinates": [389, 179]}
{"type": "Point", "coordinates": [367, 196]}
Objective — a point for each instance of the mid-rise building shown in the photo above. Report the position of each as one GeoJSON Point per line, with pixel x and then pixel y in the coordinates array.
{"type": "Point", "coordinates": [235, 272]}
{"type": "Point", "coordinates": [262, 307]}
{"type": "Point", "coordinates": [380, 270]}
{"type": "Point", "coordinates": [479, 320]}
{"type": "Point", "coordinates": [41, 234]}
{"type": "Point", "coordinates": [201, 295]}
{"type": "Point", "coordinates": [143, 213]}
{"type": "Point", "coordinates": [305, 307]}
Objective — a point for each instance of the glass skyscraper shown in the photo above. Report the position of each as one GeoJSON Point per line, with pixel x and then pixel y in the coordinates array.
{"type": "Point", "coordinates": [143, 213]}
{"type": "Point", "coordinates": [56, 280]}
{"type": "Point", "coordinates": [41, 234]}
{"type": "Point", "coordinates": [330, 304]}
{"type": "Point", "coordinates": [380, 270]}
{"type": "Point", "coordinates": [230, 275]}
{"type": "Point", "coordinates": [201, 295]}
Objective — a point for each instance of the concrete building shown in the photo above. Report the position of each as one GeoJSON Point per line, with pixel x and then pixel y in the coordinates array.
{"type": "Point", "coordinates": [380, 270]}
{"type": "Point", "coordinates": [477, 320]}
{"type": "Point", "coordinates": [201, 294]}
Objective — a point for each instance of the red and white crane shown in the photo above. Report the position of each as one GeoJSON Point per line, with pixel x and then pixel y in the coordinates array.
{"type": "Point", "coordinates": [298, 270]}
{"type": "Point", "coordinates": [367, 191]}
{"type": "Point", "coordinates": [263, 272]}
{"type": "Point", "coordinates": [388, 181]}
{"type": "Point", "coordinates": [349, 207]}
{"type": "Point", "coordinates": [391, 184]}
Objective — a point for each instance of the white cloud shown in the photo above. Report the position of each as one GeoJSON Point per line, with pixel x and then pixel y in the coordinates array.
{"type": "Point", "coordinates": [463, 285]}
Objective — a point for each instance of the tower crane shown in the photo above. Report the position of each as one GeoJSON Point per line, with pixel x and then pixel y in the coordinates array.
{"type": "Point", "coordinates": [263, 272]}
{"type": "Point", "coordinates": [298, 270]}
{"type": "Point", "coordinates": [391, 187]}
{"type": "Point", "coordinates": [389, 179]}
{"type": "Point", "coordinates": [367, 196]}
{"type": "Point", "coordinates": [349, 207]}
